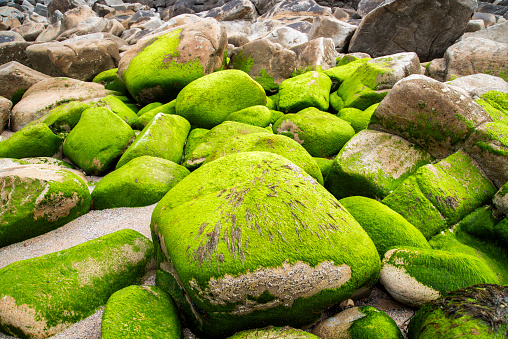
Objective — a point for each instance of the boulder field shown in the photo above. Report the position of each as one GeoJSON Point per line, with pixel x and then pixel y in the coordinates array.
{"type": "Point", "coordinates": [309, 167]}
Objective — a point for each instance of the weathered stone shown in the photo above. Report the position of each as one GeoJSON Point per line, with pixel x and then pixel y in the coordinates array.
{"type": "Point", "coordinates": [287, 37]}
{"type": "Point", "coordinates": [10, 36]}
{"type": "Point", "coordinates": [63, 5]}
{"type": "Point", "coordinates": [315, 55]}
{"type": "Point", "coordinates": [367, 6]}
{"type": "Point", "coordinates": [474, 26]}
{"type": "Point", "coordinates": [92, 25]}
{"type": "Point", "coordinates": [10, 18]}
{"type": "Point", "coordinates": [327, 27]}
{"type": "Point", "coordinates": [479, 84]}
{"type": "Point", "coordinates": [5, 112]}
{"type": "Point", "coordinates": [73, 17]}
{"type": "Point", "coordinates": [234, 10]}
{"type": "Point", "coordinates": [15, 51]}
{"type": "Point", "coordinates": [436, 69]}
{"type": "Point", "coordinates": [30, 30]}
{"type": "Point", "coordinates": [287, 8]}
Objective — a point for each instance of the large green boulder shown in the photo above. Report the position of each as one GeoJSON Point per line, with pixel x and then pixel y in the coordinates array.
{"type": "Point", "coordinates": [271, 332]}
{"type": "Point", "coordinates": [373, 164]}
{"type": "Point", "coordinates": [250, 239]}
{"type": "Point", "coordinates": [272, 143]}
{"type": "Point", "coordinates": [311, 89]}
{"type": "Point", "coordinates": [42, 296]}
{"type": "Point", "coordinates": [202, 142]}
{"type": "Point", "coordinates": [440, 195]}
{"type": "Point", "coordinates": [32, 141]}
{"type": "Point", "coordinates": [164, 137]}
{"type": "Point", "coordinates": [415, 276]}
{"type": "Point", "coordinates": [385, 227]}
{"type": "Point", "coordinates": [118, 107]}
{"type": "Point", "coordinates": [206, 102]}
{"type": "Point", "coordinates": [343, 71]}
{"type": "Point", "coordinates": [471, 312]}
{"type": "Point", "coordinates": [140, 182]}
{"type": "Point", "coordinates": [110, 80]}
{"type": "Point", "coordinates": [322, 134]}
{"type": "Point", "coordinates": [63, 118]}
{"type": "Point", "coordinates": [147, 116]}
{"type": "Point", "coordinates": [255, 115]}
{"type": "Point", "coordinates": [140, 312]}
{"type": "Point", "coordinates": [35, 199]}
{"type": "Point", "coordinates": [97, 141]}
{"type": "Point", "coordinates": [158, 67]}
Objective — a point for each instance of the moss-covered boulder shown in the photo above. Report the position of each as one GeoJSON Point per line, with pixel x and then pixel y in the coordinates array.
{"type": "Point", "coordinates": [472, 312]}
{"type": "Point", "coordinates": [322, 134]}
{"type": "Point", "coordinates": [202, 142]}
{"type": "Point", "coordinates": [147, 116]}
{"type": "Point", "coordinates": [110, 80]}
{"type": "Point", "coordinates": [250, 240]}
{"type": "Point", "coordinates": [206, 102]}
{"type": "Point", "coordinates": [488, 145]}
{"type": "Point", "coordinates": [35, 199]}
{"type": "Point", "coordinates": [358, 322]}
{"type": "Point", "coordinates": [157, 68]}
{"type": "Point", "coordinates": [97, 141]}
{"type": "Point", "coordinates": [140, 182]}
{"type": "Point", "coordinates": [164, 137]}
{"type": "Point", "coordinates": [149, 107]}
{"type": "Point", "coordinates": [416, 276]}
{"type": "Point", "coordinates": [310, 89]}
{"type": "Point", "coordinates": [272, 143]}
{"type": "Point", "coordinates": [255, 115]}
{"type": "Point", "coordinates": [140, 312]}
{"type": "Point", "coordinates": [271, 332]}
{"type": "Point", "coordinates": [373, 164]}
{"type": "Point", "coordinates": [64, 117]}
{"type": "Point", "coordinates": [358, 119]}
{"type": "Point", "coordinates": [324, 165]}
{"type": "Point", "coordinates": [341, 72]}
{"type": "Point", "coordinates": [33, 141]}
{"type": "Point", "coordinates": [42, 296]}
{"type": "Point", "coordinates": [436, 116]}
{"type": "Point", "coordinates": [495, 104]}
{"type": "Point", "coordinates": [440, 195]}
{"type": "Point", "coordinates": [385, 227]}
{"type": "Point", "coordinates": [118, 107]}
{"type": "Point", "coordinates": [500, 201]}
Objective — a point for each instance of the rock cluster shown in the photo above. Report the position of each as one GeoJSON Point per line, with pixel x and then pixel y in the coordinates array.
{"type": "Point", "coordinates": [301, 154]}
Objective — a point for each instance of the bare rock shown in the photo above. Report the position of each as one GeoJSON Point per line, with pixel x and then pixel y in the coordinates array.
{"type": "Point", "coordinates": [288, 37]}
{"type": "Point", "coordinates": [291, 8]}
{"type": "Point", "coordinates": [5, 113]}
{"type": "Point", "coordinates": [234, 10]}
{"type": "Point", "coordinates": [73, 17]}
{"type": "Point", "coordinates": [498, 33]}
{"type": "Point", "coordinates": [17, 78]}
{"type": "Point", "coordinates": [10, 18]}
{"type": "Point", "coordinates": [436, 69]}
{"type": "Point", "coordinates": [318, 54]}
{"type": "Point", "coordinates": [63, 5]}
{"type": "Point", "coordinates": [29, 30]}
{"type": "Point", "coordinates": [15, 51]}
{"type": "Point", "coordinates": [367, 6]}
{"type": "Point", "coordinates": [10, 36]}
{"type": "Point", "coordinates": [478, 84]}
{"type": "Point", "coordinates": [328, 27]}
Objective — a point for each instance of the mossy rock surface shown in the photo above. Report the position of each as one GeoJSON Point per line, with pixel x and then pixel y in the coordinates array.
{"type": "Point", "coordinates": [478, 311]}
{"type": "Point", "coordinates": [110, 80]}
{"type": "Point", "coordinates": [203, 143]}
{"type": "Point", "coordinates": [255, 115]}
{"type": "Point", "coordinates": [500, 202]}
{"type": "Point", "coordinates": [359, 322]}
{"type": "Point", "coordinates": [146, 117]}
{"type": "Point", "coordinates": [336, 102]}
{"type": "Point", "coordinates": [36, 199]}
{"type": "Point", "coordinates": [373, 164]}
{"type": "Point", "coordinates": [322, 134]}
{"type": "Point", "coordinates": [496, 105]}
{"type": "Point", "coordinates": [440, 195]}
{"type": "Point", "coordinates": [207, 102]}
{"type": "Point", "coordinates": [33, 141]}
{"type": "Point", "coordinates": [415, 276]}
{"type": "Point", "coordinates": [164, 137]}
{"type": "Point", "coordinates": [97, 141]}
{"type": "Point", "coordinates": [343, 71]}
{"type": "Point", "coordinates": [42, 296]}
{"type": "Point", "coordinates": [140, 182]}
{"type": "Point", "coordinates": [273, 143]}
{"type": "Point", "coordinates": [140, 312]}
{"type": "Point", "coordinates": [235, 232]}
{"type": "Point", "coordinates": [385, 227]}
{"type": "Point", "coordinates": [148, 107]}
{"type": "Point", "coordinates": [64, 117]}
{"type": "Point", "coordinates": [324, 165]}
{"type": "Point", "coordinates": [118, 107]}
{"type": "Point", "coordinates": [311, 89]}
{"type": "Point", "coordinates": [271, 332]}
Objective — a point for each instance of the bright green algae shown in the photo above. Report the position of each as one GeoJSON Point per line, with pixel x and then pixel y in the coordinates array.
{"type": "Point", "coordinates": [385, 227]}
{"type": "Point", "coordinates": [110, 80]}
{"type": "Point", "coordinates": [146, 117]}
{"type": "Point", "coordinates": [324, 165]}
{"type": "Point", "coordinates": [375, 324]}
{"type": "Point", "coordinates": [64, 117]}
{"type": "Point", "coordinates": [251, 212]}
{"type": "Point", "coordinates": [32, 141]}
{"type": "Point", "coordinates": [164, 137]}
{"type": "Point", "coordinates": [140, 312]}
{"type": "Point", "coordinates": [52, 292]}
{"type": "Point", "coordinates": [311, 89]}
{"type": "Point", "coordinates": [148, 107]}
{"type": "Point", "coordinates": [140, 182]}
{"type": "Point", "coordinates": [358, 119]}
{"type": "Point", "coordinates": [118, 107]}
{"type": "Point", "coordinates": [255, 115]}
{"type": "Point", "coordinates": [271, 332]}
{"type": "Point", "coordinates": [343, 71]}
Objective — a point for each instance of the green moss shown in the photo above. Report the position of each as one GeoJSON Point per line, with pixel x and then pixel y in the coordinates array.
{"type": "Point", "coordinates": [271, 332]}
{"type": "Point", "coordinates": [375, 324]}
{"type": "Point", "coordinates": [59, 289]}
{"type": "Point", "coordinates": [242, 63]}
{"type": "Point", "coordinates": [18, 94]}
{"type": "Point", "coordinates": [311, 89]}
{"type": "Point", "coordinates": [501, 232]}
{"type": "Point", "coordinates": [266, 80]}
{"type": "Point", "coordinates": [275, 115]}
{"type": "Point", "coordinates": [480, 223]}
{"type": "Point", "coordinates": [344, 70]}
{"type": "Point", "coordinates": [493, 138]}
{"type": "Point", "coordinates": [324, 165]}
{"type": "Point", "coordinates": [64, 117]}
{"type": "Point", "coordinates": [148, 107]}
{"type": "Point", "coordinates": [336, 102]}
{"type": "Point", "coordinates": [119, 108]}
{"type": "Point", "coordinates": [358, 119]}
{"type": "Point", "coordinates": [37, 140]}
{"type": "Point", "coordinates": [146, 117]}
{"type": "Point", "coordinates": [110, 80]}
{"type": "Point", "coordinates": [255, 115]}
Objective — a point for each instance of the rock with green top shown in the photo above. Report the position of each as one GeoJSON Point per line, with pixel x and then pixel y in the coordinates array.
{"type": "Point", "coordinates": [140, 182]}
{"type": "Point", "coordinates": [266, 62]}
{"type": "Point", "coordinates": [358, 119]}
{"type": "Point", "coordinates": [202, 142]}
{"type": "Point", "coordinates": [255, 115]}
{"type": "Point", "coordinates": [500, 201]}
{"type": "Point", "coordinates": [250, 239]}
{"type": "Point", "coordinates": [322, 134]}
{"type": "Point", "coordinates": [271, 332]}
{"type": "Point", "coordinates": [148, 107]}
{"type": "Point", "coordinates": [472, 312]}
{"type": "Point", "coordinates": [373, 164]}
{"type": "Point", "coordinates": [146, 117]}
{"type": "Point", "coordinates": [35, 199]}
{"type": "Point", "coordinates": [437, 117]}
{"type": "Point", "coordinates": [272, 143]}
{"type": "Point", "coordinates": [495, 104]}
{"type": "Point", "coordinates": [488, 145]}
{"type": "Point", "coordinates": [164, 137]}
{"type": "Point", "coordinates": [440, 195]}
{"type": "Point", "coordinates": [341, 72]}
{"type": "Point", "coordinates": [310, 89]}
{"type": "Point", "coordinates": [358, 322]}
{"type": "Point", "coordinates": [207, 102]}
{"type": "Point", "coordinates": [42, 296]}
{"type": "Point", "coordinates": [118, 107]}
{"type": "Point", "coordinates": [110, 80]}
{"type": "Point", "coordinates": [97, 141]}
{"type": "Point", "coordinates": [385, 227]}
{"type": "Point", "coordinates": [140, 312]}
{"type": "Point", "coordinates": [32, 141]}
{"type": "Point", "coordinates": [64, 117]}
{"type": "Point", "coordinates": [159, 67]}
{"type": "Point", "coordinates": [324, 165]}
{"type": "Point", "coordinates": [416, 276]}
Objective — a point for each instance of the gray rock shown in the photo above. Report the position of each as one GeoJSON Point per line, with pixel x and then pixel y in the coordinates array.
{"type": "Point", "coordinates": [41, 9]}
{"type": "Point", "coordinates": [488, 19]}
{"type": "Point", "coordinates": [5, 113]}
{"type": "Point", "coordinates": [17, 78]}
{"type": "Point", "coordinates": [234, 10]}
{"type": "Point", "coordinates": [436, 69]}
{"type": "Point", "coordinates": [288, 37]}
{"type": "Point", "coordinates": [29, 30]}
{"type": "Point", "coordinates": [15, 51]}
{"type": "Point", "coordinates": [327, 27]}
{"type": "Point", "coordinates": [478, 84]}
{"type": "Point", "coordinates": [498, 33]}
{"type": "Point", "coordinates": [291, 8]}
{"type": "Point", "coordinates": [10, 36]}
{"type": "Point", "coordinates": [475, 25]}
{"type": "Point", "coordinates": [367, 6]}
{"type": "Point", "coordinates": [318, 54]}
{"type": "Point", "coordinates": [10, 18]}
